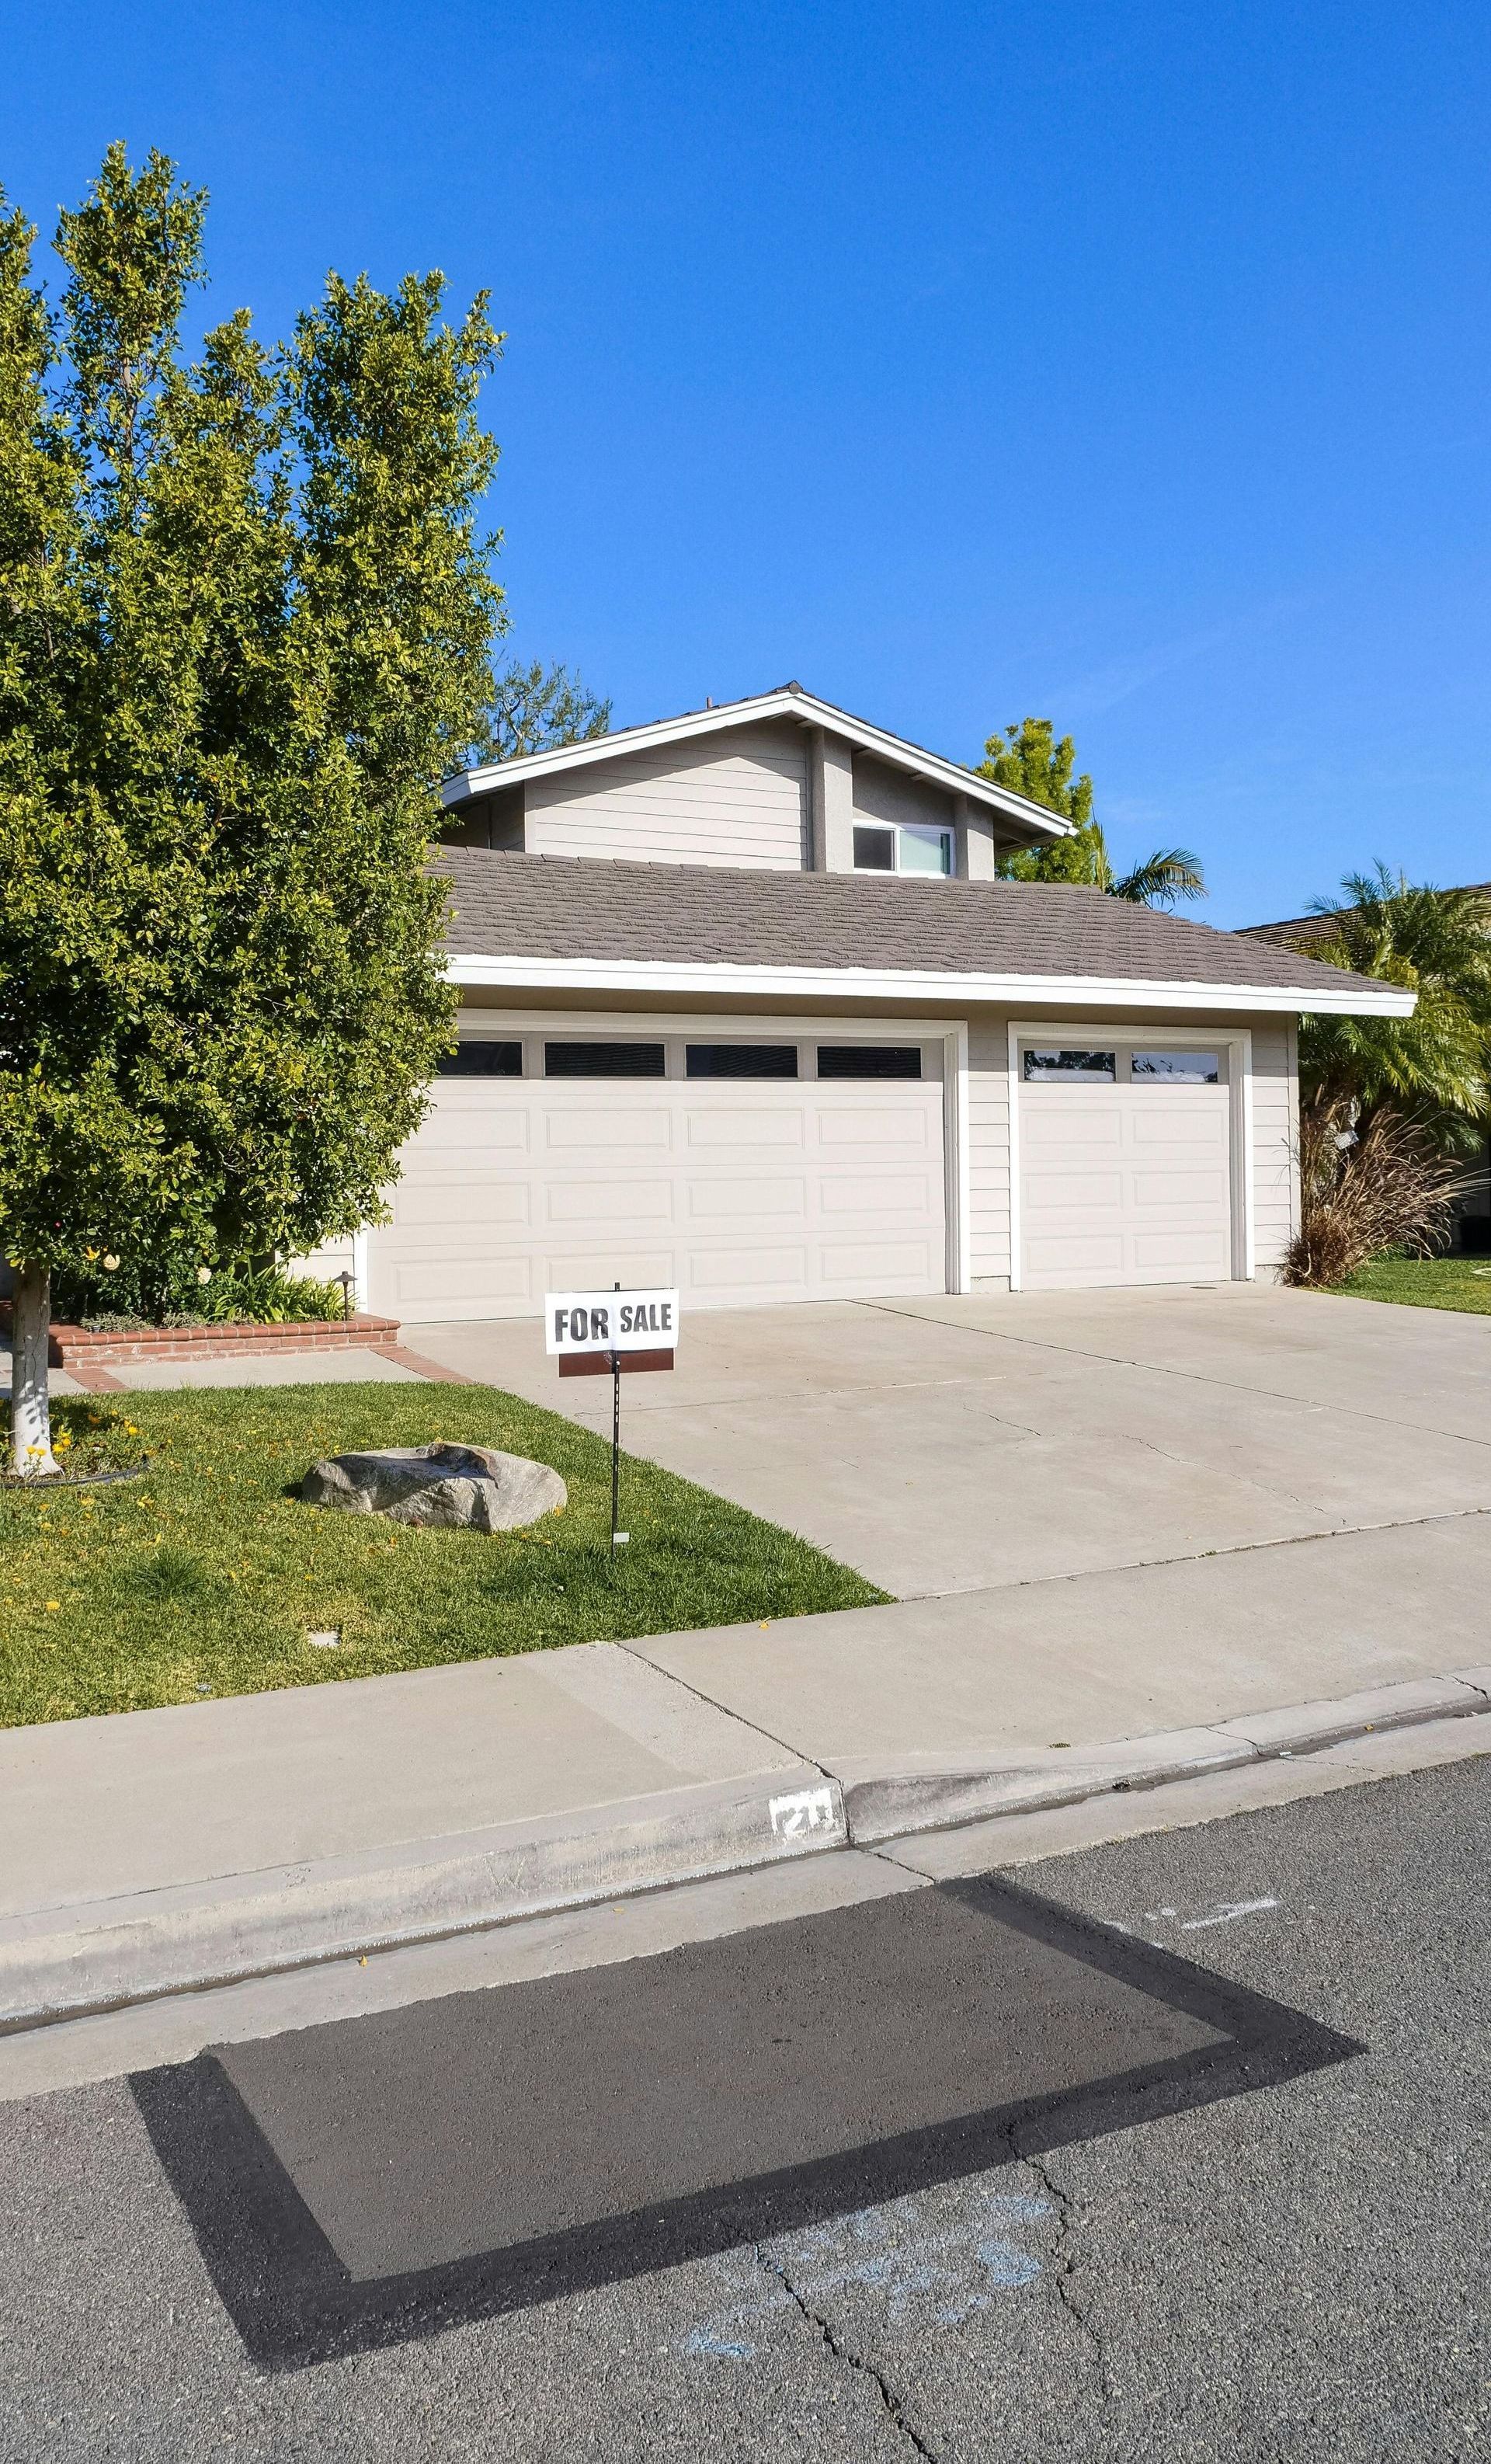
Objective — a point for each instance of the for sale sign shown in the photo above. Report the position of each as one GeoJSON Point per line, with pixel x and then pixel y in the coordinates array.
{"type": "Point", "coordinates": [613, 1321]}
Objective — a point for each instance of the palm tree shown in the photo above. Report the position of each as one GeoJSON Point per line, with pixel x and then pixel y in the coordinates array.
{"type": "Point", "coordinates": [1436, 1065]}
{"type": "Point", "coordinates": [1169, 874]}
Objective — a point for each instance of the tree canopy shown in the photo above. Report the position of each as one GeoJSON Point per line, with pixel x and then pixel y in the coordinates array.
{"type": "Point", "coordinates": [1029, 759]}
{"type": "Point", "coordinates": [534, 707]}
{"type": "Point", "coordinates": [245, 612]}
{"type": "Point", "coordinates": [1437, 943]}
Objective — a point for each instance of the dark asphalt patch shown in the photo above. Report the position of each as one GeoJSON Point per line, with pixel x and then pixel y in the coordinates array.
{"type": "Point", "coordinates": [375, 2179]}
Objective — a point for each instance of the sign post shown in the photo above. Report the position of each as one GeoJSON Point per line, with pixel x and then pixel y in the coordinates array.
{"type": "Point", "coordinates": [591, 1334]}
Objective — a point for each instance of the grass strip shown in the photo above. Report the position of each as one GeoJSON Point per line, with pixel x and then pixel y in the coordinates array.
{"type": "Point", "coordinates": [207, 1576]}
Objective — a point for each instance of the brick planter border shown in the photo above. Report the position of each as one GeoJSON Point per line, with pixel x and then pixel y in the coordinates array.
{"type": "Point", "coordinates": [77, 1348]}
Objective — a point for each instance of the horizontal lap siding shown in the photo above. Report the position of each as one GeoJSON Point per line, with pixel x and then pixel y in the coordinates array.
{"type": "Point", "coordinates": [989, 1150]}
{"type": "Point", "coordinates": [739, 800]}
{"type": "Point", "coordinates": [1276, 1173]}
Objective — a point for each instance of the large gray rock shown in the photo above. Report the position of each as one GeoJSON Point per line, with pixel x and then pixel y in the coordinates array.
{"type": "Point", "coordinates": [471, 1488]}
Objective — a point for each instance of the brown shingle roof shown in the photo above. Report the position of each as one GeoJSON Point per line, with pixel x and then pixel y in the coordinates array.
{"type": "Point", "coordinates": [567, 907]}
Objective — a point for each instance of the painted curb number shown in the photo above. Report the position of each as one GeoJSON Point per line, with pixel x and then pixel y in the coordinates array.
{"type": "Point", "coordinates": [810, 1809]}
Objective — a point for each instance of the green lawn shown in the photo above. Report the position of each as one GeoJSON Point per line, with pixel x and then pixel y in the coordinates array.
{"type": "Point", "coordinates": [1424, 1283]}
{"type": "Point", "coordinates": [204, 1576]}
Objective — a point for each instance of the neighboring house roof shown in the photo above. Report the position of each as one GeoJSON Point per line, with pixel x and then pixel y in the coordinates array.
{"type": "Point", "coordinates": [787, 701]}
{"type": "Point", "coordinates": [1319, 927]}
{"type": "Point", "coordinates": [533, 920]}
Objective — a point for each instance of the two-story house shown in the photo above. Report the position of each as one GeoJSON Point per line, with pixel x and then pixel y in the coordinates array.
{"type": "Point", "coordinates": [747, 1009]}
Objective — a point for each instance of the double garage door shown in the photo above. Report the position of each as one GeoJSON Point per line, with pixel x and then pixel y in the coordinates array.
{"type": "Point", "coordinates": [799, 1169]}
{"type": "Point", "coordinates": [1125, 1161]}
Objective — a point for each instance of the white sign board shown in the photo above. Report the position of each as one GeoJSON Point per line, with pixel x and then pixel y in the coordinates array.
{"type": "Point", "coordinates": [610, 1321]}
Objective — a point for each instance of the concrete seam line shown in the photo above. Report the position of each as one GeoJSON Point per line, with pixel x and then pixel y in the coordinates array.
{"type": "Point", "coordinates": [712, 1704]}
{"type": "Point", "coordinates": [1167, 1369]}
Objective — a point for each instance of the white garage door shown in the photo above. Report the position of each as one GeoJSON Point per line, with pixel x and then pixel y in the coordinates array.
{"type": "Point", "coordinates": [739, 1171]}
{"type": "Point", "coordinates": [1125, 1163]}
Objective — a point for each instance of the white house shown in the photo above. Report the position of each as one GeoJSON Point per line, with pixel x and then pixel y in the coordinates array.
{"type": "Point", "coordinates": [746, 1009]}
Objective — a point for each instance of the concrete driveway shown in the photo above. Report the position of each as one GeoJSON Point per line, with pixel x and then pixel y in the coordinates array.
{"type": "Point", "coordinates": [969, 1445]}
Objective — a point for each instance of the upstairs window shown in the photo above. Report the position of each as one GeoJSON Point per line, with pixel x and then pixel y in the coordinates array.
{"type": "Point", "coordinates": [883, 847]}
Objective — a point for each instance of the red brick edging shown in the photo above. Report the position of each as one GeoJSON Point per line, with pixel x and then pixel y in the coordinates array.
{"type": "Point", "coordinates": [77, 1348]}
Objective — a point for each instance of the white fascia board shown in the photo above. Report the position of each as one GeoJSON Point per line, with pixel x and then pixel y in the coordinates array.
{"type": "Point", "coordinates": [663, 731]}
{"type": "Point", "coordinates": [640, 977]}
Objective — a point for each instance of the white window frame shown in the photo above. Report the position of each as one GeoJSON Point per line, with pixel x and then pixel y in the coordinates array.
{"type": "Point", "coordinates": [943, 832]}
{"type": "Point", "coordinates": [1094, 1034]}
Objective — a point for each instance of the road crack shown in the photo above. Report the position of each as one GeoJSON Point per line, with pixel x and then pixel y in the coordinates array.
{"type": "Point", "coordinates": [890, 2402]}
{"type": "Point", "coordinates": [1064, 2264]}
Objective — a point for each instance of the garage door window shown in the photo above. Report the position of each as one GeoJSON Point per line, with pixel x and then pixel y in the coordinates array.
{"type": "Point", "coordinates": [602, 1059]}
{"type": "Point", "coordinates": [869, 1060]}
{"type": "Point", "coordinates": [1059, 1062]}
{"type": "Point", "coordinates": [473, 1060]}
{"type": "Point", "coordinates": [742, 1061]}
{"type": "Point", "coordinates": [1178, 1068]}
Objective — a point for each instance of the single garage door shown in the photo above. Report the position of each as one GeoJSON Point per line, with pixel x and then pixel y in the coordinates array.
{"type": "Point", "coordinates": [740, 1170]}
{"type": "Point", "coordinates": [1125, 1163]}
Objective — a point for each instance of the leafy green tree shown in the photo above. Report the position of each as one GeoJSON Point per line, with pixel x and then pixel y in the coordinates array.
{"type": "Point", "coordinates": [1436, 1065]}
{"type": "Point", "coordinates": [244, 613]}
{"type": "Point", "coordinates": [532, 710]}
{"type": "Point", "coordinates": [1030, 760]}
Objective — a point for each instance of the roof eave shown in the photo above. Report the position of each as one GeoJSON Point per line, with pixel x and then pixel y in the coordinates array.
{"type": "Point", "coordinates": [1356, 998]}
{"type": "Point", "coordinates": [807, 709]}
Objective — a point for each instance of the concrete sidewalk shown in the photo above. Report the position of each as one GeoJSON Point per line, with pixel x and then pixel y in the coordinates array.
{"type": "Point", "coordinates": [157, 1852]}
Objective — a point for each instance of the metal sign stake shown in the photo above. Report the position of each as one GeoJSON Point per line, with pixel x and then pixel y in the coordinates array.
{"type": "Point", "coordinates": [616, 1444]}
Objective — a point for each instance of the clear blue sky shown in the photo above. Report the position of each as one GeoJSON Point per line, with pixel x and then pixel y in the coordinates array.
{"type": "Point", "coordinates": [1127, 364]}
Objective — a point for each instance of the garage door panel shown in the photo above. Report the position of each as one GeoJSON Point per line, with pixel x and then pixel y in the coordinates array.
{"type": "Point", "coordinates": [597, 1128]}
{"type": "Point", "coordinates": [1055, 1119]}
{"type": "Point", "coordinates": [887, 1129]}
{"type": "Point", "coordinates": [735, 1192]}
{"type": "Point", "coordinates": [1199, 1251]}
{"type": "Point", "coordinates": [874, 1197]}
{"type": "Point", "coordinates": [1056, 1192]}
{"type": "Point", "coordinates": [432, 1202]}
{"type": "Point", "coordinates": [453, 1283]}
{"type": "Point", "coordinates": [1173, 1192]}
{"type": "Point", "coordinates": [725, 1273]}
{"type": "Point", "coordinates": [568, 1204]}
{"type": "Point", "coordinates": [752, 1127]}
{"type": "Point", "coordinates": [780, 1200]}
{"type": "Point", "coordinates": [882, 1266]}
{"type": "Point", "coordinates": [1124, 1182]}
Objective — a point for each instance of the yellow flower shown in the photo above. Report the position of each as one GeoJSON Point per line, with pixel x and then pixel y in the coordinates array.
{"type": "Point", "coordinates": [54, 1604]}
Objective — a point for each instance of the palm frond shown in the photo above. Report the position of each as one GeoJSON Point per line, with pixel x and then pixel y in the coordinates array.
{"type": "Point", "coordinates": [1169, 874]}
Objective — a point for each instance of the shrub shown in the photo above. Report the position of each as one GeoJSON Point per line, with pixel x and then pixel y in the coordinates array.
{"type": "Point", "coordinates": [1391, 1188]}
{"type": "Point", "coordinates": [155, 1292]}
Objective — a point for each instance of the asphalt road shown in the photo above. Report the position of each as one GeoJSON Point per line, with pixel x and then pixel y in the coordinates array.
{"type": "Point", "coordinates": [1283, 2254]}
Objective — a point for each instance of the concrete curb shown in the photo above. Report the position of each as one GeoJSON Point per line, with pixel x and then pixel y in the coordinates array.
{"type": "Point", "coordinates": [69, 1962]}
{"type": "Point", "coordinates": [930, 1793]}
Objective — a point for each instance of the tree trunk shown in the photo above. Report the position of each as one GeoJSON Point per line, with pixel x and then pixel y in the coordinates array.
{"type": "Point", "coordinates": [31, 1415]}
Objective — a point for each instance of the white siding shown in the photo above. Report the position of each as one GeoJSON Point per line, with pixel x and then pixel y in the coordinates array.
{"type": "Point", "coordinates": [1275, 1153]}
{"type": "Point", "coordinates": [882, 794]}
{"type": "Point", "coordinates": [737, 799]}
{"type": "Point", "coordinates": [989, 1151]}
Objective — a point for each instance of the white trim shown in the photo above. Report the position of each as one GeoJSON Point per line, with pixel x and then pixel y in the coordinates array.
{"type": "Point", "coordinates": [957, 1159]}
{"type": "Point", "coordinates": [802, 706]}
{"type": "Point", "coordinates": [1239, 1041]}
{"type": "Point", "coordinates": [1357, 998]}
{"type": "Point", "coordinates": [360, 1267]}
